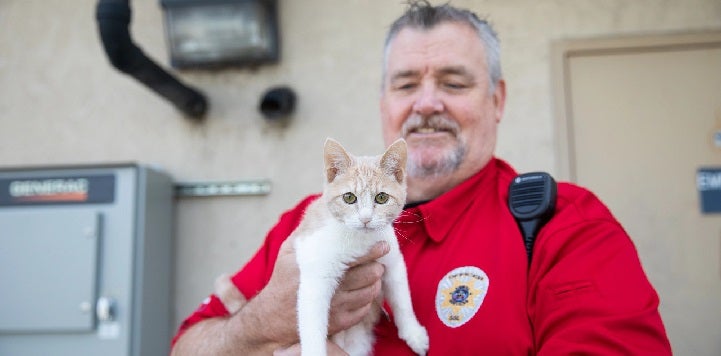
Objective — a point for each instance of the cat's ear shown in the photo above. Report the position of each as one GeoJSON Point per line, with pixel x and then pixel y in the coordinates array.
{"type": "Point", "coordinates": [337, 159]}
{"type": "Point", "coordinates": [393, 162]}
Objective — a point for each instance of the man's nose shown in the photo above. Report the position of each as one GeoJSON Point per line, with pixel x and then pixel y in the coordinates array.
{"type": "Point", "coordinates": [428, 101]}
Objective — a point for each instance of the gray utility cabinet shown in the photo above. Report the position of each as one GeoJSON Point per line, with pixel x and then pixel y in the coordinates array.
{"type": "Point", "coordinates": [85, 260]}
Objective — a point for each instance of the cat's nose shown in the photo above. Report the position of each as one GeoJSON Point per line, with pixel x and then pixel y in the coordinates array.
{"type": "Point", "coordinates": [365, 220]}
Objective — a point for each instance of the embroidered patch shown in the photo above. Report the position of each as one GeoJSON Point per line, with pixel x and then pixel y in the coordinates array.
{"type": "Point", "coordinates": [460, 295]}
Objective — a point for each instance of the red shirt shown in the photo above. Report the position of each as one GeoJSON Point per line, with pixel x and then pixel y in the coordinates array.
{"type": "Point", "coordinates": [585, 291]}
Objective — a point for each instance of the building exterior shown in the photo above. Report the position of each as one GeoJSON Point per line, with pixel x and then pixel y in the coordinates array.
{"type": "Point", "coordinates": [61, 102]}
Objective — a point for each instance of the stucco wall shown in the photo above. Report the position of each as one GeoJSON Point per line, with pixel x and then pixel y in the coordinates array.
{"type": "Point", "coordinates": [62, 103]}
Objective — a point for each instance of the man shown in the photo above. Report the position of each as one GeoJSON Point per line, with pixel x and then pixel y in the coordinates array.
{"type": "Point", "coordinates": [472, 287]}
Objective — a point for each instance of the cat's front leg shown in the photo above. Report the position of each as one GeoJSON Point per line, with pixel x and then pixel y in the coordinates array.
{"type": "Point", "coordinates": [314, 294]}
{"type": "Point", "coordinates": [397, 292]}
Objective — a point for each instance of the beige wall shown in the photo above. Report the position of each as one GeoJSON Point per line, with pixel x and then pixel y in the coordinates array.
{"type": "Point", "coordinates": [62, 103]}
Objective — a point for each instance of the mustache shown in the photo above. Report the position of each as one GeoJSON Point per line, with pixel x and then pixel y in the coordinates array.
{"type": "Point", "coordinates": [430, 123]}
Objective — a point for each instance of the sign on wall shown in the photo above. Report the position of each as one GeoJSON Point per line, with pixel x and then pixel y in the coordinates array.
{"type": "Point", "coordinates": [57, 190]}
{"type": "Point", "coordinates": [708, 183]}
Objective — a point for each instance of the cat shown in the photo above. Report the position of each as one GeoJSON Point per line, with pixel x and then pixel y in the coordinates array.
{"type": "Point", "coordinates": [361, 198]}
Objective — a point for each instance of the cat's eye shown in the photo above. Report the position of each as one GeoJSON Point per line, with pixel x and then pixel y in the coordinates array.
{"type": "Point", "coordinates": [349, 198]}
{"type": "Point", "coordinates": [382, 198]}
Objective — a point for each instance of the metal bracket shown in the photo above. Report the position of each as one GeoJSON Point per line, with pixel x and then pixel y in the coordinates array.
{"type": "Point", "coordinates": [214, 189]}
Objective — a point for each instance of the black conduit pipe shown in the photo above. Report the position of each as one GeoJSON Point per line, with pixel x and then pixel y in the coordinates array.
{"type": "Point", "coordinates": [113, 18]}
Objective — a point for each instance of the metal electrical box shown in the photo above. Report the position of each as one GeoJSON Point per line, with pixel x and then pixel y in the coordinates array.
{"type": "Point", "coordinates": [85, 261]}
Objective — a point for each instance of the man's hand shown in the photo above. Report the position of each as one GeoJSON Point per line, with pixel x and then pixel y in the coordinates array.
{"type": "Point", "coordinates": [268, 322]}
{"type": "Point", "coordinates": [359, 288]}
{"type": "Point", "coordinates": [356, 293]}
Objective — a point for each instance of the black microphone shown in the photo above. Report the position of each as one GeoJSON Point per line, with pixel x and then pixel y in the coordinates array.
{"type": "Point", "coordinates": [532, 201]}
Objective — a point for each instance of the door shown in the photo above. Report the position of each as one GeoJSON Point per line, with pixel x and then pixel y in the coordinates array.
{"type": "Point", "coordinates": [638, 118]}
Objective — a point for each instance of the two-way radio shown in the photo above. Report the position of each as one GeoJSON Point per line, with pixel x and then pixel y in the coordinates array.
{"type": "Point", "coordinates": [532, 201]}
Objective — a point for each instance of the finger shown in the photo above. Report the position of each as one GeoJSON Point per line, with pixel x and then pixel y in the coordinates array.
{"type": "Point", "coordinates": [354, 299]}
{"type": "Point", "coordinates": [377, 251]}
{"type": "Point", "coordinates": [335, 350]}
{"type": "Point", "coordinates": [362, 276]}
{"type": "Point", "coordinates": [294, 350]}
{"type": "Point", "coordinates": [343, 321]}
{"type": "Point", "coordinates": [350, 307]}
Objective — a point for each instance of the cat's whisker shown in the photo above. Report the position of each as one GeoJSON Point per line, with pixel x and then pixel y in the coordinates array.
{"type": "Point", "coordinates": [407, 213]}
{"type": "Point", "coordinates": [401, 235]}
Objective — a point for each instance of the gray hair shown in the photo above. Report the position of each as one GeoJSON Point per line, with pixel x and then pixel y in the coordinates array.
{"type": "Point", "coordinates": [422, 15]}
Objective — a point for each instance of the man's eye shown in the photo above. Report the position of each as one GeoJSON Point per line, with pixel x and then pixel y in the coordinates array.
{"type": "Point", "coordinates": [404, 86]}
{"type": "Point", "coordinates": [455, 85]}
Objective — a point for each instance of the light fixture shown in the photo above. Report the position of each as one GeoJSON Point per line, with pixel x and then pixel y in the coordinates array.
{"type": "Point", "coordinates": [211, 33]}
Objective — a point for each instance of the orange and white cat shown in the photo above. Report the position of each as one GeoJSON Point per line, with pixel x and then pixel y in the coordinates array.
{"type": "Point", "coordinates": [362, 197]}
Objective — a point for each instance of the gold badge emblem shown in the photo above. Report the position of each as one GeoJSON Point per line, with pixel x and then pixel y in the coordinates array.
{"type": "Point", "coordinates": [460, 295]}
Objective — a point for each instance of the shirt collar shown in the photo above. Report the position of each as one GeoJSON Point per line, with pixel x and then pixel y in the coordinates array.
{"type": "Point", "coordinates": [441, 214]}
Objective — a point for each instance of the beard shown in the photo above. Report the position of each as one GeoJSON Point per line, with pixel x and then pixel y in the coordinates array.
{"type": "Point", "coordinates": [421, 166]}
{"type": "Point", "coordinates": [433, 156]}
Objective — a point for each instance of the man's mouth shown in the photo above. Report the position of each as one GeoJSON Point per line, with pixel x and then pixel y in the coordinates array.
{"type": "Point", "coordinates": [434, 125]}
{"type": "Point", "coordinates": [430, 130]}
{"type": "Point", "coordinates": [427, 130]}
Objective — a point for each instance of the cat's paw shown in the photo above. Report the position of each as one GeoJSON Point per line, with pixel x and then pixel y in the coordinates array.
{"type": "Point", "coordinates": [416, 337]}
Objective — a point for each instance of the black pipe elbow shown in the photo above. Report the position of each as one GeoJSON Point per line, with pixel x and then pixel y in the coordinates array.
{"type": "Point", "coordinates": [278, 102]}
{"type": "Point", "coordinates": [113, 17]}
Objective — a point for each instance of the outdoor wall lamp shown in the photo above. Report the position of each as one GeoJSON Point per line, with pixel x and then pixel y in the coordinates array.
{"type": "Point", "coordinates": [213, 33]}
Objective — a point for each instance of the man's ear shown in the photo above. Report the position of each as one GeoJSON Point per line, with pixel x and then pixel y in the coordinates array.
{"type": "Point", "coordinates": [499, 99]}
{"type": "Point", "coordinates": [337, 159]}
{"type": "Point", "coordinates": [393, 161]}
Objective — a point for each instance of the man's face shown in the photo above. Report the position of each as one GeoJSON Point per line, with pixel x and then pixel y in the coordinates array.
{"type": "Point", "coordinates": [436, 96]}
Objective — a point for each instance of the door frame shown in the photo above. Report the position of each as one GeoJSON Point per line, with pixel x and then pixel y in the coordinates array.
{"type": "Point", "coordinates": [563, 51]}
